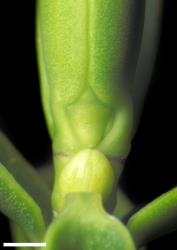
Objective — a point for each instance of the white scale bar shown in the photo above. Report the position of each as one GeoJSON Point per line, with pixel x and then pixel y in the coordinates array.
{"type": "Point", "coordinates": [24, 244]}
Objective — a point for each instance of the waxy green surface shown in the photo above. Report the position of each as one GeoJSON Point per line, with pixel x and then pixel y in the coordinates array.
{"type": "Point", "coordinates": [88, 52]}
{"type": "Point", "coordinates": [20, 207]}
{"type": "Point", "coordinates": [24, 173]}
{"type": "Point", "coordinates": [84, 225]}
{"type": "Point", "coordinates": [84, 48]}
{"type": "Point", "coordinates": [155, 219]}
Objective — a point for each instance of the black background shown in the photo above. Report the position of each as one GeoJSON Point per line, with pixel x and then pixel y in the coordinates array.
{"type": "Point", "coordinates": [151, 166]}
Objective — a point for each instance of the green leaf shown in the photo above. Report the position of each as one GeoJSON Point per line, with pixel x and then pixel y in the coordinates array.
{"type": "Point", "coordinates": [26, 175]}
{"type": "Point", "coordinates": [88, 51]}
{"type": "Point", "coordinates": [17, 205]}
{"type": "Point", "coordinates": [148, 52]}
{"type": "Point", "coordinates": [157, 218]}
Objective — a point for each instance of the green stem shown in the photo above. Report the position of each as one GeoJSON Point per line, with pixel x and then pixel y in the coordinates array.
{"type": "Point", "coordinates": [157, 218]}
{"type": "Point", "coordinates": [25, 175]}
{"type": "Point", "coordinates": [19, 236]}
{"type": "Point", "coordinates": [123, 205]}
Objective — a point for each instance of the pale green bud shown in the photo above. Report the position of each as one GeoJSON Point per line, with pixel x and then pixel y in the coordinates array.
{"type": "Point", "coordinates": [87, 171]}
